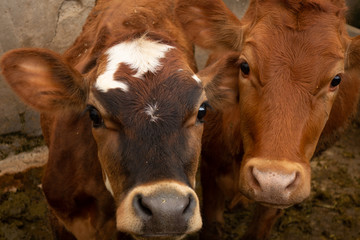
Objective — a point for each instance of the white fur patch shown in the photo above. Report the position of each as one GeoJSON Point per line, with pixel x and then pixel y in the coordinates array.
{"type": "Point", "coordinates": [142, 55]}
{"type": "Point", "coordinates": [106, 81]}
{"type": "Point", "coordinates": [108, 185]}
{"type": "Point", "coordinates": [151, 111]}
{"type": "Point", "coordinates": [196, 78]}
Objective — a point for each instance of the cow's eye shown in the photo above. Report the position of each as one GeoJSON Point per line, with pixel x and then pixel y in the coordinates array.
{"type": "Point", "coordinates": [245, 68]}
{"type": "Point", "coordinates": [336, 81]}
{"type": "Point", "coordinates": [202, 111]}
{"type": "Point", "coordinates": [95, 116]}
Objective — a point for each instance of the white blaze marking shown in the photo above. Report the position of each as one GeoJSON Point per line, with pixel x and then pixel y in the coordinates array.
{"type": "Point", "coordinates": [196, 78]}
{"type": "Point", "coordinates": [151, 111]}
{"type": "Point", "coordinates": [142, 55]}
{"type": "Point", "coordinates": [105, 81]}
{"type": "Point", "coordinates": [108, 185]}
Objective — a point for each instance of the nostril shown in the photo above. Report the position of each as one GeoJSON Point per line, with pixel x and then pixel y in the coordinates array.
{"type": "Point", "coordinates": [165, 206]}
{"type": "Point", "coordinates": [142, 207]}
{"type": "Point", "coordinates": [189, 206]}
{"type": "Point", "coordinates": [293, 179]}
{"type": "Point", "coordinates": [253, 176]}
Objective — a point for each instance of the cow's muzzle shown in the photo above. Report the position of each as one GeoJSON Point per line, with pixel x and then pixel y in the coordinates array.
{"type": "Point", "coordinates": [275, 183]}
{"type": "Point", "coordinates": [162, 210]}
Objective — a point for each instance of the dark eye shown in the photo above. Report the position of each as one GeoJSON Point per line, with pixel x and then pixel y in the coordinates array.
{"type": "Point", "coordinates": [245, 69]}
{"type": "Point", "coordinates": [336, 81]}
{"type": "Point", "coordinates": [95, 116]}
{"type": "Point", "coordinates": [202, 112]}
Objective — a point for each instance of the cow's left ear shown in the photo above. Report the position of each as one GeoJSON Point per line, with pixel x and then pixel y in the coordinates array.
{"type": "Point", "coordinates": [43, 80]}
{"type": "Point", "coordinates": [220, 80]}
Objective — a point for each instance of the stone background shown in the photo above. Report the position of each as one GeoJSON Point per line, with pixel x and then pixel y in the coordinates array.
{"type": "Point", "coordinates": [52, 24]}
{"type": "Point", "coordinates": [55, 24]}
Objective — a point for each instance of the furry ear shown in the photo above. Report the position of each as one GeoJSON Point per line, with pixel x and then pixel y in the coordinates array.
{"type": "Point", "coordinates": [210, 24]}
{"type": "Point", "coordinates": [353, 56]}
{"type": "Point", "coordinates": [43, 80]}
{"type": "Point", "coordinates": [221, 80]}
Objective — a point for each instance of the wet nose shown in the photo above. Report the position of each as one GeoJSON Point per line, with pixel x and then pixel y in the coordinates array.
{"type": "Point", "coordinates": [168, 213]}
{"type": "Point", "coordinates": [274, 181]}
{"type": "Point", "coordinates": [164, 210]}
{"type": "Point", "coordinates": [278, 183]}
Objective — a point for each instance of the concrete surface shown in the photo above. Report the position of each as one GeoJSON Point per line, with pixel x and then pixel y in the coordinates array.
{"type": "Point", "coordinates": [353, 31]}
{"type": "Point", "coordinates": [52, 24]}
{"type": "Point", "coordinates": [23, 161]}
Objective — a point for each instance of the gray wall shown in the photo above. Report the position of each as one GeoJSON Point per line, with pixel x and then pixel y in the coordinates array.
{"type": "Point", "coordinates": [52, 24]}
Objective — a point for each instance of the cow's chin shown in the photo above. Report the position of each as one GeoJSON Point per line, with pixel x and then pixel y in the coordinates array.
{"type": "Point", "coordinates": [159, 237]}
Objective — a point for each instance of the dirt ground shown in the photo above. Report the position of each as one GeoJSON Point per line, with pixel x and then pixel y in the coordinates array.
{"type": "Point", "coordinates": [332, 211]}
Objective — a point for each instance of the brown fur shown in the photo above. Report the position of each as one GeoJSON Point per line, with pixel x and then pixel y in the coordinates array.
{"type": "Point", "coordinates": [284, 111]}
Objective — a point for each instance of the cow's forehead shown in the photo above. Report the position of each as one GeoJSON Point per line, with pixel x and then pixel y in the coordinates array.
{"type": "Point", "coordinates": [300, 28]}
{"type": "Point", "coordinates": [142, 55]}
{"type": "Point", "coordinates": [311, 56]}
{"type": "Point", "coordinates": [286, 46]}
{"type": "Point", "coordinates": [171, 100]}
{"type": "Point", "coordinates": [147, 79]}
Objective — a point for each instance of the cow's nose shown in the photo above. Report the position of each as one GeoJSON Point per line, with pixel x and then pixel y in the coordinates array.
{"type": "Point", "coordinates": [159, 210]}
{"type": "Point", "coordinates": [161, 213]}
{"type": "Point", "coordinates": [273, 181]}
{"type": "Point", "coordinates": [277, 183]}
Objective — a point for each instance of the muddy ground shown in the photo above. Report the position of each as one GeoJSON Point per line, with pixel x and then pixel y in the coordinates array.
{"type": "Point", "coordinates": [332, 211]}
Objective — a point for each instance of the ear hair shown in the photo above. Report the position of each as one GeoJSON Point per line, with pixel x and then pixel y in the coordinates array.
{"type": "Point", "coordinates": [352, 54]}
{"type": "Point", "coordinates": [43, 79]}
{"type": "Point", "coordinates": [221, 81]}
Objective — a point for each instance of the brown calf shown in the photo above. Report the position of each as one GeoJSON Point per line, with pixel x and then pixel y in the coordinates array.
{"type": "Point", "coordinates": [128, 166]}
{"type": "Point", "coordinates": [286, 92]}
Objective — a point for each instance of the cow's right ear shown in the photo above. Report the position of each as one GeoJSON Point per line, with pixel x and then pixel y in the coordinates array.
{"type": "Point", "coordinates": [43, 79]}
{"type": "Point", "coordinates": [220, 80]}
{"type": "Point", "coordinates": [210, 24]}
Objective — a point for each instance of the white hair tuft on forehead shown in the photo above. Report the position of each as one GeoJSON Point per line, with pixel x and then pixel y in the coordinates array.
{"type": "Point", "coordinates": [141, 55]}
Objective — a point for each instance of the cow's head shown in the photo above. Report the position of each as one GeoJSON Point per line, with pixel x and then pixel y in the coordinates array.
{"type": "Point", "coordinates": [294, 76]}
{"type": "Point", "coordinates": [147, 108]}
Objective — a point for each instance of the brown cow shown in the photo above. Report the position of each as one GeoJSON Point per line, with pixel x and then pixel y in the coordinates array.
{"type": "Point", "coordinates": [287, 91]}
{"type": "Point", "coordinates": [128, 166]}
